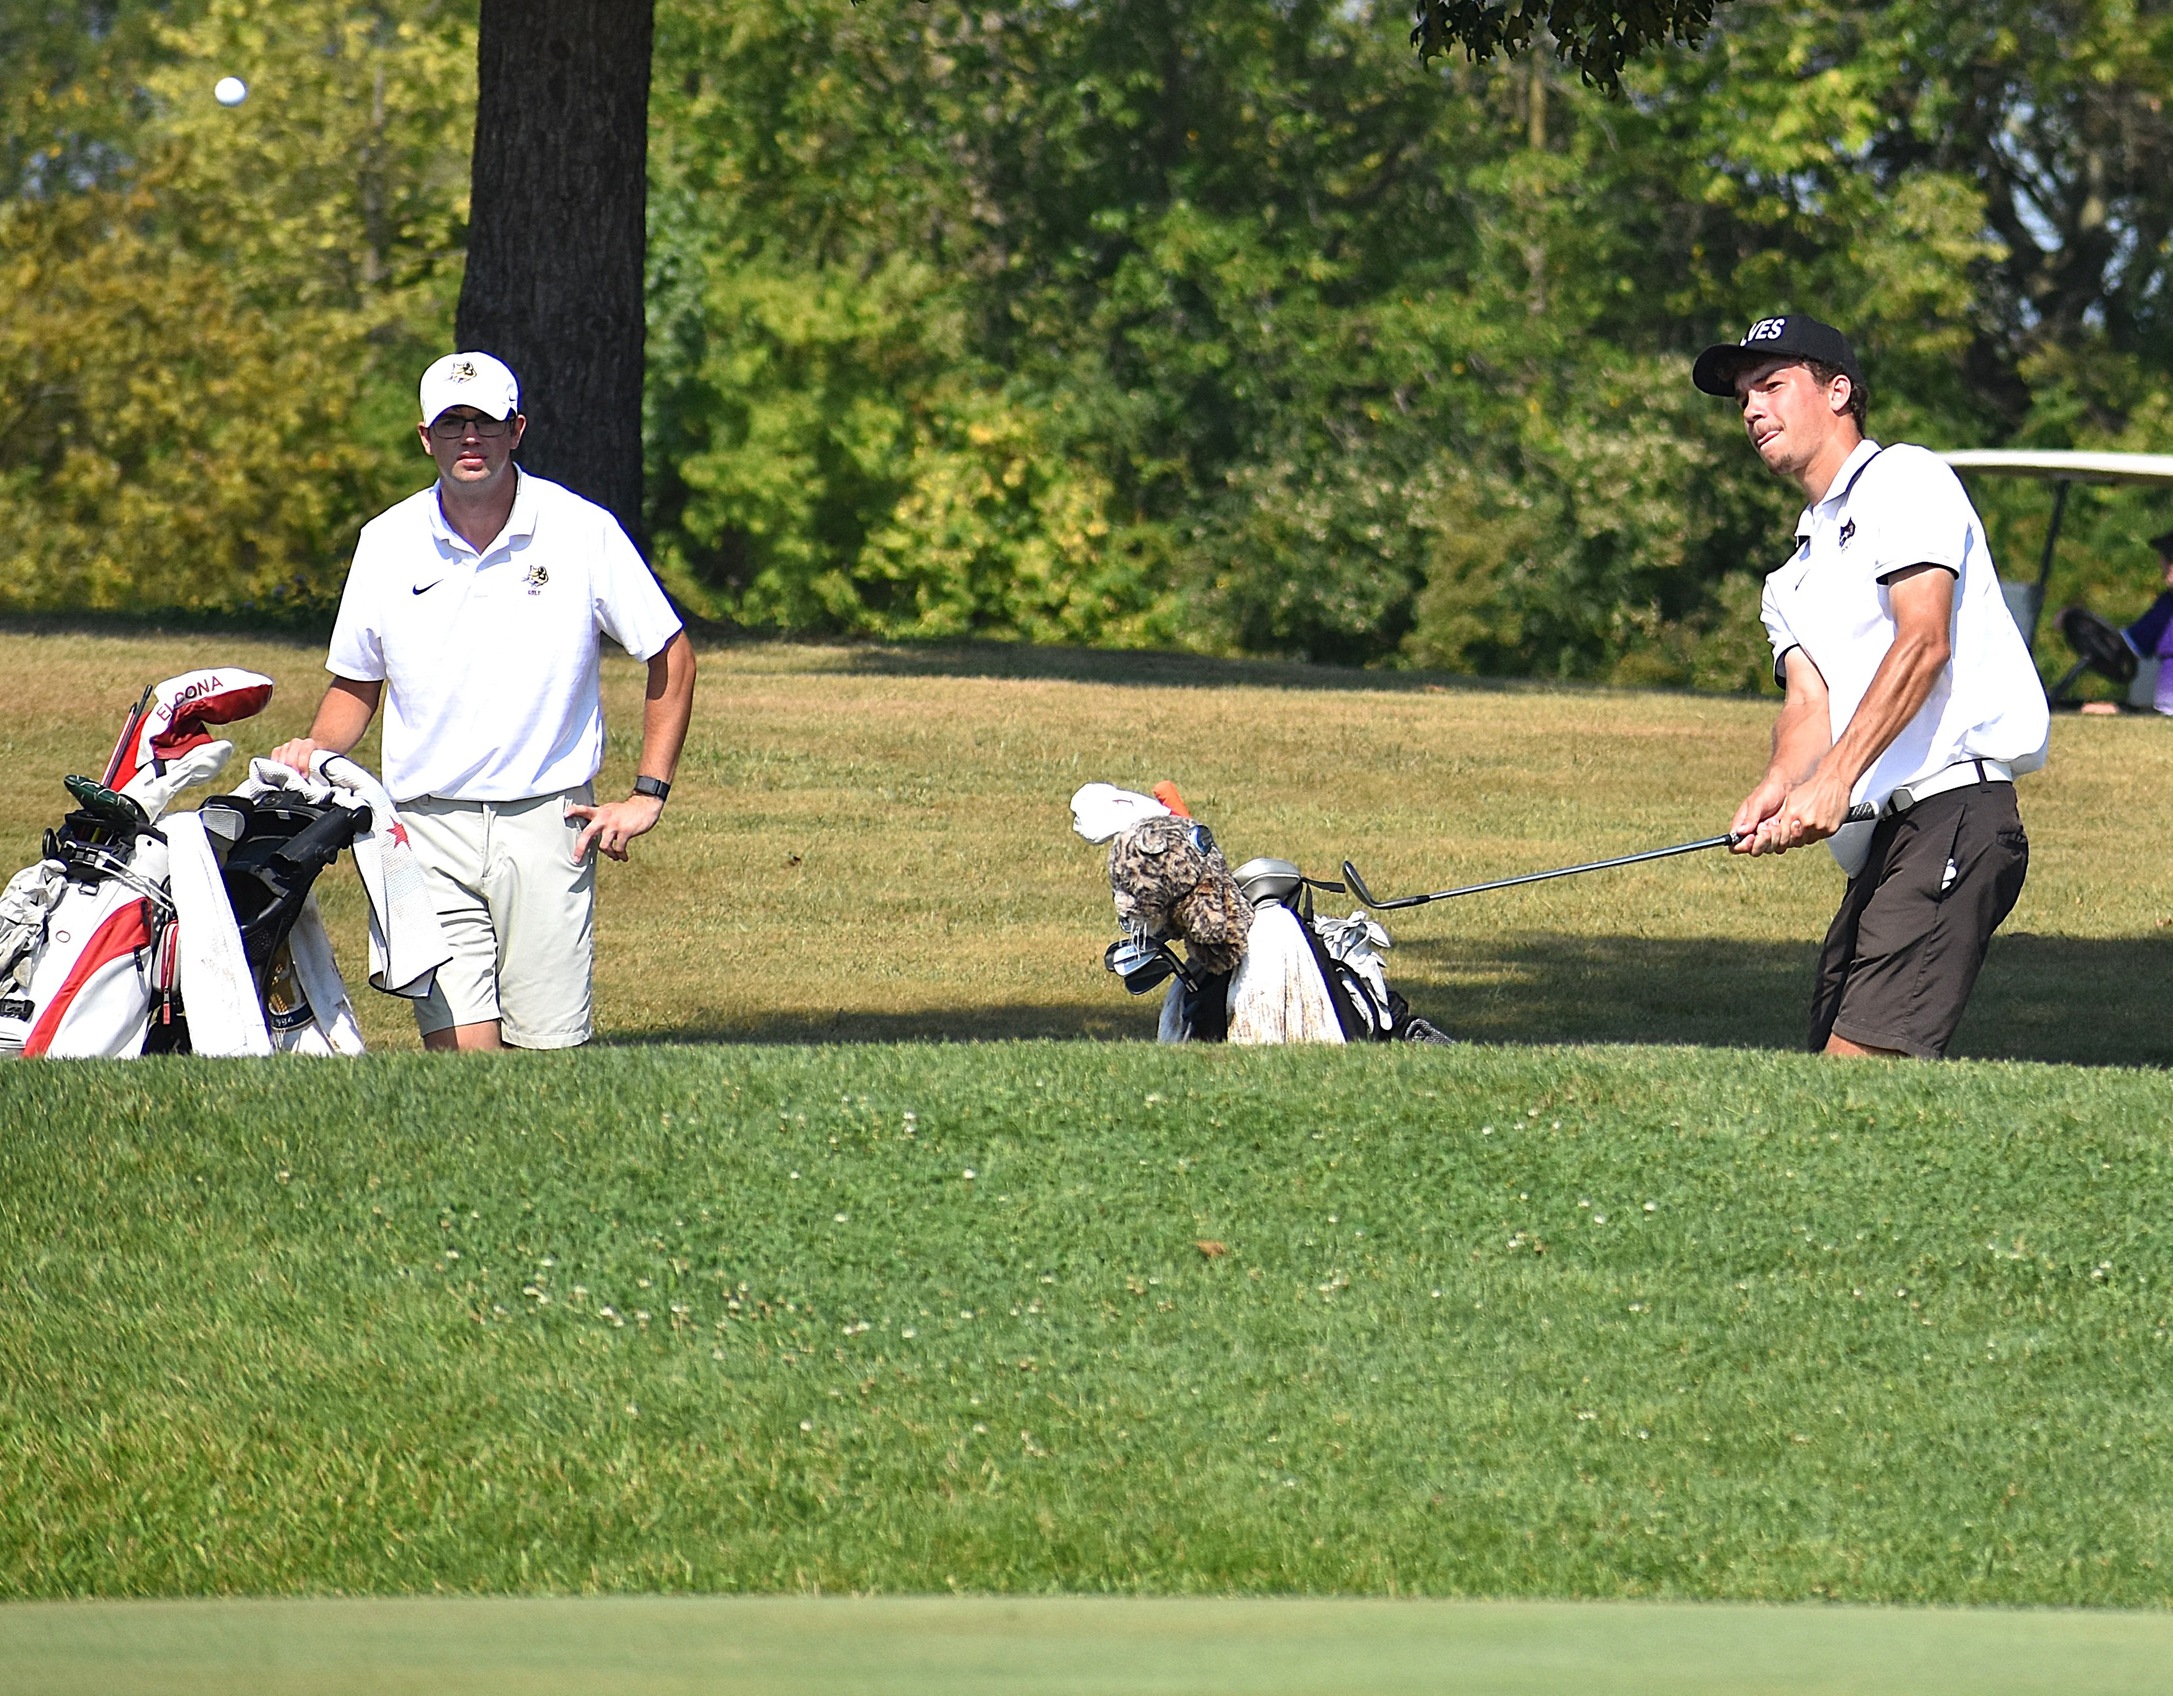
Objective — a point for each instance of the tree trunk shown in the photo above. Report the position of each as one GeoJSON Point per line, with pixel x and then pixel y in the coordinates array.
{"type": "Point", "coordinates": [556, 234]}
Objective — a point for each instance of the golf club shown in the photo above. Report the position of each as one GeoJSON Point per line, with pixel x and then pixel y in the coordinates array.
{"type": "Point", "coordinates": [1727, 839]}
{"type": "Point", "coordinates": [129, 727]}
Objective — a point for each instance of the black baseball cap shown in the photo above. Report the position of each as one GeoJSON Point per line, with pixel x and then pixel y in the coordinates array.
{"type": "Point", "coordinates": [2162, 544]}
{"type": "Point", "coordinates": [1794, 335]}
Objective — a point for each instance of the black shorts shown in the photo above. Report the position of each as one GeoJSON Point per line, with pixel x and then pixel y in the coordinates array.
{"type": "Point", "coordinates": [1904, 951]}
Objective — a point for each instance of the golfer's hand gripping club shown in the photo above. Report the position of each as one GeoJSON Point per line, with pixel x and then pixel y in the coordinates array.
{"type": "Point", "coordinates": [1862, 813]}
{"type": "Point", "coordinates": [1727, 839]}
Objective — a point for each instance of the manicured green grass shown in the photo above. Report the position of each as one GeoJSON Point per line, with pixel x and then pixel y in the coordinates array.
{"type": "Point", "coordinates": [1076, 1647]}
{"type": "Point", "coordinates": [872, 844]}
{"type": "Point", "coordinates": [1539, 1322]}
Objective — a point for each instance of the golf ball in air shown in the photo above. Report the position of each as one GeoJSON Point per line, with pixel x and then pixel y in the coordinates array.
{"type": "Point", "coordinates": [230, 91]}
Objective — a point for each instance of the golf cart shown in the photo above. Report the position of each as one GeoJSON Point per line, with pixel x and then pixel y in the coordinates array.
{"type": "Point", "coordinates": [2098, 644]}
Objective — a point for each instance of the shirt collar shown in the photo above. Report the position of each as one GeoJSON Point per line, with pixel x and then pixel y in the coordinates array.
{"type": "Point", "coordinates": [520, 522]}
{"type": "Point", "coordinates": [1839, 486]}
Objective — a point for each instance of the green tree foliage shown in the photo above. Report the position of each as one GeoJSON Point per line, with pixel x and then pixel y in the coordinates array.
{"type": "Point", "coordinates": [1207, 323]}
{"type": "Point", "coordinates": [1599, 39]}
{"type": "Point", "coordinates": [1346, 360]}
{"type": "Point", "coordinates": [210, 318]}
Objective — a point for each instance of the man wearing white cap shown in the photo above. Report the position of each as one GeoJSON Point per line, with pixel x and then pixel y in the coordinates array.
{"type": "Point", "coordinates": [474, 611]}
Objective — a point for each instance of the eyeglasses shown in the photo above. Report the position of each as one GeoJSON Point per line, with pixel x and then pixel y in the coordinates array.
{"type": "Point", "coordinates": [452, 429]}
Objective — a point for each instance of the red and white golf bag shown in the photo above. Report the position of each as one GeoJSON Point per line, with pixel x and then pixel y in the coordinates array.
{"type": "Point", "coordinates": [86, 934]}
{"type": "Point", "coordinates": [141, 931]}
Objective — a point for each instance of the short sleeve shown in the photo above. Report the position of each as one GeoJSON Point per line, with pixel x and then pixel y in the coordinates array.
{"type": "Point", "coordinates": [358, 637]}
{"type": "Point", "coordinates": [631, 607]}
{"type": "Point", "coordinates": [1912, 510]}
{"type": "Point", "coordinates": [1778, 633]}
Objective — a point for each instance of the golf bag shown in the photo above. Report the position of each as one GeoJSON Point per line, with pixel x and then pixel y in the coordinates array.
{"type": "Point", "coordinates": [86, 934]}
{"type": "Point", "coordinates": [141, 931]}
{"type": "Point", "coordinates": [1259, 966]}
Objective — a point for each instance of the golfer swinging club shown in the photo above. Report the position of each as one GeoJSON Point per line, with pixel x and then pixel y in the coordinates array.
{"type": "Point", "coordinates": [474, 611]}
{"type": "Point", "coordinates": [1909, 689]}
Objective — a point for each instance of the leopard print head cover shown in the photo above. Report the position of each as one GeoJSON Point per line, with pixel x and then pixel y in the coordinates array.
{"type": "Point", "coordinates": [1168, 885]}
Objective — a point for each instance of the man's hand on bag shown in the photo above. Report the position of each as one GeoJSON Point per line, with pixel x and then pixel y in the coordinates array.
{"type": "Point", "coordinates": [295, 754]}
{"type": "Point", "coordinates": [614, 824]}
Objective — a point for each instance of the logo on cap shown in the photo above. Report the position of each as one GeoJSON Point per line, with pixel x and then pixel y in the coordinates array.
{"type": "Point", "coordinates": [1765, 330]}
{"type": "Point", "coordinates": [463, 371]}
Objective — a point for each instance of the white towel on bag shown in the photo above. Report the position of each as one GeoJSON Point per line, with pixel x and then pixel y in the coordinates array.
{"type": "Point", "coordinates": [333, 1028]}
{"type": "Point", "coordinates": [213, 971]}
{"type": "Point", "coordinates": [1276, 994]}
{"type": "Point", "coordinates": [407, 945]}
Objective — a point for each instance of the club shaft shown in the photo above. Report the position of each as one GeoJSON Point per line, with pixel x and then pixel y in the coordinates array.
{"type": "Point", "coordinates": [1698, 846]}
{"type": "Point", "coordinates": [1862, 813]}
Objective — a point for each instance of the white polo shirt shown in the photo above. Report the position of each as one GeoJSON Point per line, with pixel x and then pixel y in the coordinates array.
{"type": "Point", "coordinates": [1890, 509]}
{"type": "Point", "coordinates": [490, 661]}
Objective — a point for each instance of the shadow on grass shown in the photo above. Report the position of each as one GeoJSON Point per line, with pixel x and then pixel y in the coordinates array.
{"type": "Point", "coordinates": [2063, 999]}
{"type": "Point", "coordinates": [1017, 662]}
{"type": "Point", "coordinates": [2082, 1001]}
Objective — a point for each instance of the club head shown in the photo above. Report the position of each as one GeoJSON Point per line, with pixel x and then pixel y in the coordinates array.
{"type": "Point", "coordinates": [1358, 885]}
{"type": "Point", "coordinates": [1140, 963]}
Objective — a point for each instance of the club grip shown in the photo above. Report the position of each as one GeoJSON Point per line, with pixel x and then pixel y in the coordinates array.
{"type": "Point", "coordinates": [1862, 813]}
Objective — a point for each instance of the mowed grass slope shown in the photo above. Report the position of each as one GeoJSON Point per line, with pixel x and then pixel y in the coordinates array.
{"type": "Point", "coordinates": [871, 843]}
{"type": "Point", "coordinates": [696, 1311]}
{"type": "Point", "coordinates": [1484, 1321]}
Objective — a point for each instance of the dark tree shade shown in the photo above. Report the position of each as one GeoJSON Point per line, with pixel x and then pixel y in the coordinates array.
{"type": "Point", "coordinates": [1599, 37]}
{"type": "Point", "coordinates": [556, 238]}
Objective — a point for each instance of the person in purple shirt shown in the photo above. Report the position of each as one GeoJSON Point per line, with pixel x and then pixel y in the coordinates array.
{"type": "Point", "coordinates": [2151, 636]}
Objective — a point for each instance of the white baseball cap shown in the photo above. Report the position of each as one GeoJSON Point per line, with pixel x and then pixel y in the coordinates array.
{"type": "Point", "coordinates": [469, 379]}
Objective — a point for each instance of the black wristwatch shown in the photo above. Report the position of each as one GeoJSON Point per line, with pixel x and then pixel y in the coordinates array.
{"type": "Point", "coordinates": [653, 786]}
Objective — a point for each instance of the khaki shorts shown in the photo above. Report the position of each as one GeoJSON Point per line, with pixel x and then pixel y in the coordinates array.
{"type": "Point", "coordinates": [518, 914]}
{"type": "Point", "coordinates": [1911, 935]}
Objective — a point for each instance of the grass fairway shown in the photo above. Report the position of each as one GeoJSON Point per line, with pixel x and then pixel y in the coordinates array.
{"type": "Point", "coordinates": [1066, 1648]}
{"type": "Point", "coordinates": [871, 844]}
{"type": "Point", "coordinates": [1489, 1322]}
{"type": "Point", "coordinates": [767, 1294]}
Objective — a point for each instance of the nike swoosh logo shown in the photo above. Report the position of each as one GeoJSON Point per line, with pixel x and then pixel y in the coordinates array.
{"type": "Point", "coordinates": [425, 588]}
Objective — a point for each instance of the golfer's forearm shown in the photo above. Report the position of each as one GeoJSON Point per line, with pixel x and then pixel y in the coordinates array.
{"type": "Point", "coordinates": [344, 714]}
{"type": "Point", "coordinates": [1899, 689]}
{"type": "Point", "coordinates": [1801, 739]}
{"type": "Point", "coordinates": [668, 710]}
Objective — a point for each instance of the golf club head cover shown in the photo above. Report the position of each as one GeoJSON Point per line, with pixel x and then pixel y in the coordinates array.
{"type": "Point", "coordinates": [154, 786]}
{"type": "Point", "coordinates": [1100, 810]}
{"type": "Point", "coordinates": [173, 722]}
{"type": "Point", "coordinates": [1166, 793]}
{"type": "Point", "coordinates": [1165, 880]}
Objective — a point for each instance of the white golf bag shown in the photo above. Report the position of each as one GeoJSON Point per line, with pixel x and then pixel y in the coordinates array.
{"type": "Point", "coordinates": [141, 931]}
{"type": "Point", "coordinates": [1296, 978]}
